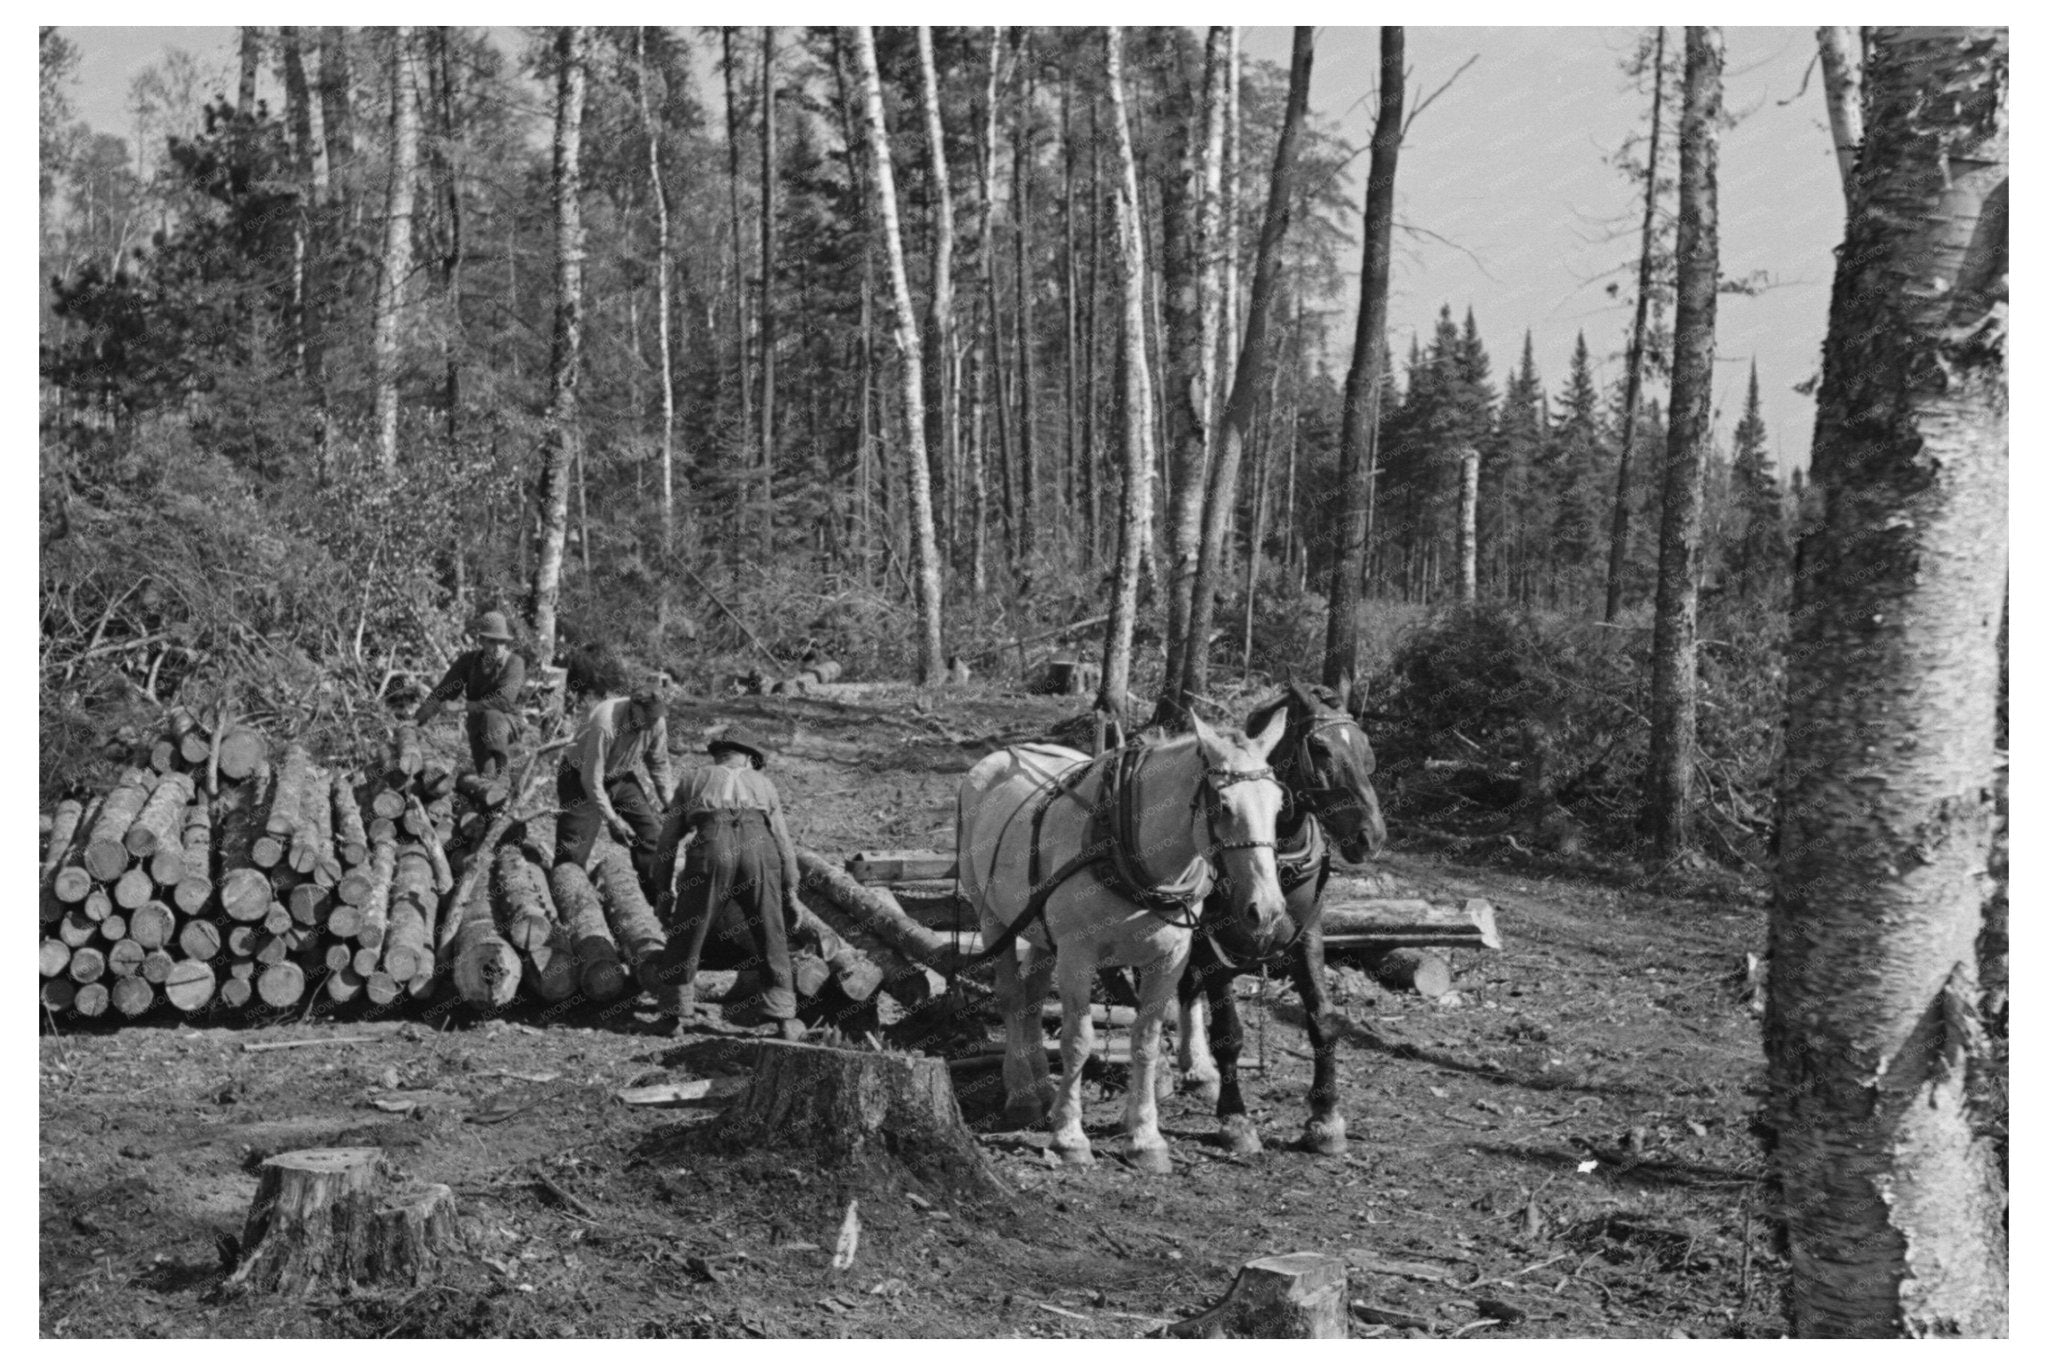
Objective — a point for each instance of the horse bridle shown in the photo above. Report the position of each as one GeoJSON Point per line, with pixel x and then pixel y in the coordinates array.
{"type": "Point", "coordinates": [1315, 800]}
{"type": "Point", "coordinates": [1215, 781]}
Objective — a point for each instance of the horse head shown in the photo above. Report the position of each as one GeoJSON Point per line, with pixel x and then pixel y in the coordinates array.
{"type": "Point", "coordinates": [1245, 805]}
{"type": "Point", "coordinates": [1326, 765]}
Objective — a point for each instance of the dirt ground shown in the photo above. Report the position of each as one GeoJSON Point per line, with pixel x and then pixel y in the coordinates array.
{"type": "Point", "coordinates": [1560, 1148]}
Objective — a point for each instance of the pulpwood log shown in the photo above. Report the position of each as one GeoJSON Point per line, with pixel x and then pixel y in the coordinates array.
{"type": "Point", "coordinates": [634, 926]}
{"type": "Point", "coordinates": [485, 967]}
{"type": "Point", "coordinates": [407, 757]}
{"type": "Point", "coordinates": [54, 957]}
{"type": "Point", "coordinates": [1388, 924]}
{"type": "Point", "coordinates": [194, 742]}
{"type": "Point", "coordinates": [519, 895]}
{"type": "Point", "coordinates": [345, 819]}
{"type": "Point", "coordinates": [90, 1000]}
{"type": "Point", "coordinates": [162, 816]}
{"type": "Point", "coordinates": [407, 957]}
{"type": "Point", "coordinates": [152, 925]}
{"type": "Point", "coordinates": [64, 869]}
{"type": "Point", "coordinates": [242, 752]}
{"type": "Point", "coordinates": [199, 940]}
{"type": "Point", "coordinates": [412, 882]}
{"type": "Point", "coordinates": [884, 919]}
{"type": "Point", "coordinates": [437, 854]}
{"type": "Point", "coordinates": [106, 856]}
{"type": "Point", "coordinates": [1410, 969]}
{"type": "Point", "coordinates": [600, 974]}
{"type": "Point", "coordinates": [189, 985]}
{"type": "Point", "coordinates": [282, 817]}
{"type": "Point", "coordinates": [131, 995]}
{"type": "Point", "coordinates": [907, 982]}
{"type": "Point", "coordinates": [194, 891]}
{"type": "Point", "coordinates": [312, 852]}
{"type": "Point", "coordinates": [133, 888]}
{"type": "Point", "coordinates": [550, 966]}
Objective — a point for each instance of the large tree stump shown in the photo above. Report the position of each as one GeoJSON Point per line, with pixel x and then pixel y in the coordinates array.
{"type": "Point", "coordinates": [323, 1219]}
{"type": "Point", "coordinates": [1298, 1295]}
{"type": "Point", "coordinates": [882, 1114]}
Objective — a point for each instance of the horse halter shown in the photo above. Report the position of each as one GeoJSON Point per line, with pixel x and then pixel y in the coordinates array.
{"type": "Point", "coordinates": [1214, 782]}
{"type": "Point", "coordinates": [1314, 800]}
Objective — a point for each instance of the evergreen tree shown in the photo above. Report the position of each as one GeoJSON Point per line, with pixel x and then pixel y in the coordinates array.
{"type": "Point", "coordinates": [1571, 484]}
{"type": "Point", "coordinates": [1756, 544]}
{"type": "Point", "coordinates": [1507, 464]}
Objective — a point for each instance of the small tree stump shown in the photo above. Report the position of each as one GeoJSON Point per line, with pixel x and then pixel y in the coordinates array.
{"type": "Point", "coordinates": [322, 1219]}
{"type": "Point", "coordinates": [888, 1114]}
{"type": "Point", "coordinates": [1298, 1295]}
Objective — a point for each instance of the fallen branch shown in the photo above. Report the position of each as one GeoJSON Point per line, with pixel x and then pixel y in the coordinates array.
{"type": "Point", "coordinates": [304, 1042]}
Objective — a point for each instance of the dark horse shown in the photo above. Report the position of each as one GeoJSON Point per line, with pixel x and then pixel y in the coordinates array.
{"type": "Point", "coordinates": [1325, 766]}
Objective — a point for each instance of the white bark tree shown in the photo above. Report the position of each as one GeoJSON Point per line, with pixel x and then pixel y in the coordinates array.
{"type": "Point", "coordinates": [564, 432]}
{"type": "Point", "coordinates": [397, 257]}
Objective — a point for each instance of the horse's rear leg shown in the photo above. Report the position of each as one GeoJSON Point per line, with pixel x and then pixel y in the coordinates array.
{"type": "Point", "coordinates": [1076, 974]}
{"type": "Point", "coordinates": [1197, 1066]}
{"type": "Point", "coordinates": [1325, 1130]}
{"type": "Point", "coordinates": [1226, 1038]}
{"type": "Point", "coordinates": [1141, 1102]}
{"type": "Point", "coordinates": [1020, 992]}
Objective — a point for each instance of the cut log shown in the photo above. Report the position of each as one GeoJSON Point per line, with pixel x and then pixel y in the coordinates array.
{"type": "Point", "coordinates": [97, 905]}
{"type": "Point", "coordinates": [480, 792]}
{"type": "Point", "coordinates": [600, 974]}
{"type": "Point", "coordinates": [312, 851]}
{"type": "Point", "coordinates": [237, 991]}
{"type": "Point", "coordinates": [343, 921]}
{"type": "Point", "coordinates": [281, 984]}
{"type": "Point", "coordinates": [125, 958]}
{"type": "Point", "coordinates": [900, 864]}
{"type": "Point", "coordinates": [634, 927]}
{"type": "Point", "coordinates": [239, 813]}
{"type": "Point", "coordinates": [156, 966]}
{"type": "Point", "coordinates": [242, 752]}
{"type": "Point", "coordinates": [364, 960]}
{"type": "Point", "coordinates": [189, 986]}
{"type": "Point", "coordinates": [191, 739]}
{"type": "Point", "coordinates": [405, 952]}
{"type": "Point", "coordinates": [162, 818]}
{"type": "Point", "coordinates": [808, 973]}
{"type": "Point", "coordinates": [433, 783]}
{"type": "Point", "coordinates": [536, 834]}
{"type": "Point", "coordinates": [485, 967]}
{"type": "Point", "coordinates": [412, 884]}
{"type": "Point", "coordinates": [277, 919]}
{"type": "Point", "coordinates": [71, 883]}
{"type": "Point", "coordinates": [343, 985]}
{"type": "Point", "coordinates": [65, 822]}
{"type": "Point", "coordinates": [519, 895]}
{"type": "Point", "coordinates": [58, 993]}
{"type": "Point", "coordinates": [287, 808]}
{"type": "Point", "coordinates": [196, 856]}
{"type": "Point", "coordinates": [114, 928]}
{"type": "Point", "coordinates": [106, 855]}
{"type": "Point", "coordinates": [877, 913]}
{"type": "Point", "coordinates": [90, 1000]}
{"type": "Point", "coordinates": [54, 957]}
{"type": "Point", "coordinates": [407, 757]}
{"type": "Point", "coordinates": [245, 895]}
{"type": "Point", "coordinates": [437, 858]}
{"type": "Point", "coordinates": [132, 996]}
{"type": "Point", "coordinates": [351, 840]}
{"type": "Point", "coordinates": [152, 925]}
{"type": "Point", "coordinates": [323, 1221]}
{"type": "Point", "coordinates": [1300, 1295]}
{"type": "Point", "coordinates": [193, 895]}
{"type": "Point", "coordinates": [383, 988]}
{"type": "Point", "coordinates": [199, 940]}
{"type": "Point", "coordinates": [474, 870]}
{"type": "Point", "coordinates": [884, 1116]}
{"type": "Point", "coordinates": [242, 940]}
{"type": "Point", "coordinates": [87, 964]}
{"type": "Point", "coordinates": [134, 888]}
{"type": "Point", "coordinates": [339, 957]}
{"type": "Point", "coordinates": [310, 904]}
{"type": "Point", "coordinates": [1410, 969]}
{"type": "Point", "coordinates": [387, 804]}
{"type": "Point", "coordinates": [271, 949]}
{"type": "Point", "coordinates": [550, 968]}
{"type": "Point", "coordinates": [1409, 923]}
{"type": "Point", "coordinates": [166, 864]}
{"type": "Point", "coordinates": [374, 893]}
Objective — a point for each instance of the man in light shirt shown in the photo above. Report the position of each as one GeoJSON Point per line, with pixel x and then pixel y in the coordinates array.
{"type": "Point", "coordinates": [614, 775]}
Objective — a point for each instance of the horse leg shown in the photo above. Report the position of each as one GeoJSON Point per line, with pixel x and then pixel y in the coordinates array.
{"type": "Point", "coordinates": [1197, 1067]}
{"type": "Point", "coordinates": [1141, 1101]}
{"type": "Point", "coordinates": [1325, 1131]}
{"type": "Point", "coordinates": [1076, 973]}
{"type": "Point", "coordinates": [1020, 990]}
{"type": "Point", "coordinates": [1226, 1038]}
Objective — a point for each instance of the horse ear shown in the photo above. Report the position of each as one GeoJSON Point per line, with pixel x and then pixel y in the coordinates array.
{"type": "Point", "coordinates": [1344, 690]}
{"type": "Point", "coordinates": [1205, 734]}
{"type": "Point", "coordinates": [1269, 739]}
{"type": "Point", "coordinates": [1300, 694]}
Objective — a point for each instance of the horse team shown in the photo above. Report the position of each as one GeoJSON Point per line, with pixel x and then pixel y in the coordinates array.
{"type": "Point", "coordinates": [1191, 861]}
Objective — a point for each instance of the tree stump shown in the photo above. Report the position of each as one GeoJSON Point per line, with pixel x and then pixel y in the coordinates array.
{"type": "Point", "coordinates": [1411, 969]}
{"type": "Point", "coordinates": [323, 1219]}
{"type": "Point", "coordinates": [882, 1114]}
{"type": "Point", "coordinates": [1298, 1295]}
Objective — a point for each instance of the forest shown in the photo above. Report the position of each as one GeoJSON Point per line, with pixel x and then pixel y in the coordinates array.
{"type": "Point", "coordinates": [949, 352]}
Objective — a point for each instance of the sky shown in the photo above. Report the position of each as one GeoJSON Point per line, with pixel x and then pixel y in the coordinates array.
{"type": "Point", "coordinates": [1505, 198]}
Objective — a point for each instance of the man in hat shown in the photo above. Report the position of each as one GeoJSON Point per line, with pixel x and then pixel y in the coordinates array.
{"type": "Point", "coordinates": [488, 679]}
{"type": "Point", "coordinates": [737, 882]}
{"type": "Point", "coordinates": [613, 774]}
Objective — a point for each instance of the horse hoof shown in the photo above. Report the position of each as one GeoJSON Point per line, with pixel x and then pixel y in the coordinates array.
{"type": "Point", "coordinates": [1151, 1160]}
{"type": "Point", "coordinates": [1083, 1155]}
{"type": "Point", "coordinates": [1324, 1138]}
{"type": "Point", "coordinates": [1205, 1089]}
{"type": "Point", "coordinates": [1241, 1136]}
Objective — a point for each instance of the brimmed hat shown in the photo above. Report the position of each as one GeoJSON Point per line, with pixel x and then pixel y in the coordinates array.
{"type": "Point", "coordinates": [491, 626]}
{"type": "Point", "coordinates": [741, 738]}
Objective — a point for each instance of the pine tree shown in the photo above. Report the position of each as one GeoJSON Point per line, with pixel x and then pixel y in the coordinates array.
{"type": "Point", "coordinates": [1506, 469]}
{"type": "Point", "coordinates": [1757, 547]}
{"type": "Point", "coordinates": [1571, 483]}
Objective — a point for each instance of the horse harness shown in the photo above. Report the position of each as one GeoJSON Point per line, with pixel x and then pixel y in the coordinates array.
{"type": "Point", "coordinates": [1112, 831]}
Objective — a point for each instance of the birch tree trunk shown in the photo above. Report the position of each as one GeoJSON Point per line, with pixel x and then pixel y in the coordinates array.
{"type": "Point", "coordinates": [1632, 392]}
{"type": "Point", "coordinates": [1841, 78]}
{"type": "Point", "coordinates": [337, 108]}
{"type": "Point", "coordinates": [1895, 1208]}
{"type": "Point", "coordinates": [452, 259]}
{"type": "Point", "coordinates": [1674, 681]}
{"type": "Point", "coordinates": [662, 291]}
{"type": "Point", "coordinates": [744, 367]}
{"type": "Point", "coordinates": [563, 434]}
{"type": "Point", "coordinates": [1250, 374]}
{"type": "Point", "coordinates": [397, 258]}
{"type": "Point", "coordinates": [1135, 518]}
{"type": "Point", "coordinates": [251, 46]}
{"type": "Point", "coordinates": [944, 348]}
{"type": "Point", "coordinates": [1192, 285]}
{"type": "Point", "coordinates": [931, 661]}
{"type": "Point", "coordinates": [1233, 175]}
{"type": "Point", "coordinates": [1468, 527]}
{"type": "Point", "coordinates": [767, 474]}
{"type": "Point", "coordinates": [1020, 211]}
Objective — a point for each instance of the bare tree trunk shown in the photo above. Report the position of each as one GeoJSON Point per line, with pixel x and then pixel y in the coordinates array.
{"type": "Point", "coordinates": [1894, 1203]}
{"type": "Point", "coordinates": [397, 258]}
{"type": "Point", "coordinates": [1091, 467]}
{"type": "Point", "coordinates": [1358, 446]}
{"type": "Point", "coordinates": [741, 462]}
{"type": "Point", "coordinates": [1468, 527]}
{"type": "Point", "coordinates": [1066, 495]}
{"type": "Point", "coordinates": [1020, 210]}
{"type": "Point", "coordinates": [1134, 522]}
{"type": "Point", "coordinates": [1632, 392]}
{"type": "Point", "coordinates": [1233, 174]}
{"type": "Point", "coordinates": [943, 430]}
{"type": "Point", "coordinates": [337, 102]}
{"type": "Point", "coordinates": [1841, 76]}
{"type": "Point", "coordinates": [931, 661]}
{"type": "Point", "coordinates": [768, 292]}
{"type": "Point", "coordinates": [1673, 687]}
{"type": "Point", "coordinates": [564, 433]}
{"type": "Point", "coordinates": [1193, 283]}
{"type": "Point", "coordinates": [1250, 377]}
{"type": "Point", "coordinates": [662, 290]}
{"type": "Point", "coordinates": [985, 151]}
{"type": "Point", "coordinates": [251, 62]}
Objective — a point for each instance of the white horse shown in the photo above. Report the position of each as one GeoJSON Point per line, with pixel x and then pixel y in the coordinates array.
{"type": "Point", "coordinates": [1109, 863]}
